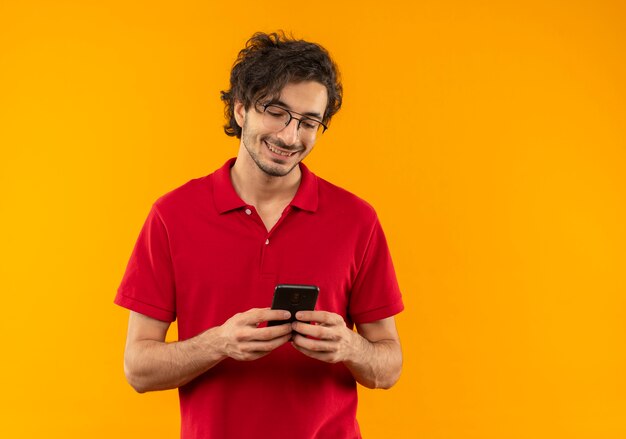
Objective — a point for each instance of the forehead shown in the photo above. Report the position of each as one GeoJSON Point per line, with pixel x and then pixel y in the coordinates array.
{"type": "Point", "coordinates": [308, 97]}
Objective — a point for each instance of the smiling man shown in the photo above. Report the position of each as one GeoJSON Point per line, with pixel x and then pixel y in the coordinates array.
{"type": "Point", "coordinates": [212, 251]}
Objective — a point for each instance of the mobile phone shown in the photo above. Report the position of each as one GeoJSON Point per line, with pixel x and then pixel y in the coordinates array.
{"type": "Point", "coordinates": [293, 298]}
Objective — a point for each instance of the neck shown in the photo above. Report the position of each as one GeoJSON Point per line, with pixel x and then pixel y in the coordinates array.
{"type": "Point", "coordinates": [257, 188]}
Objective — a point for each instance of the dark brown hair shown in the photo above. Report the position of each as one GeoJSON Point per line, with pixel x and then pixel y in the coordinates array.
{"type": "Point", "coordinates": [271, 61]}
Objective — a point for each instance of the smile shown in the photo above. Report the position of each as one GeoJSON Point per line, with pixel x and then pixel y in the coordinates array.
{"type": "Point", "coordinates": [279, 151]}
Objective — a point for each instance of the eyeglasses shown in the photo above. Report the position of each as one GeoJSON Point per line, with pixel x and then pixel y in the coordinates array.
{"type": "Point", "coordinates": [276, 118]}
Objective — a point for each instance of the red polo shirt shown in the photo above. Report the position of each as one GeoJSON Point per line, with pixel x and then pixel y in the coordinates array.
{"type": "Point", "coordinates": [203, 255]}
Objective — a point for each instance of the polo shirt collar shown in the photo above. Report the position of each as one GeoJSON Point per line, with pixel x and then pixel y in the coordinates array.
{"type": "Point", "coordinates": [224, 194]}
{"type": "Point", "coordinates": [307, 196]}
{"type": "Point", "coordinates": [226, 199]}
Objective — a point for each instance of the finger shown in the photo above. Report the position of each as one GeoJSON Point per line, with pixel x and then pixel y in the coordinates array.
{"type": "Point", "coordinates": [321, 317]}
{"type": "Point", "coordinates": [313, 345]}
{"type": "Point", "coordinates": [259, 315]}
{"type": "Point", "coordinates": [254, 350]}
{"type": "Point", "coordinates": [328, 357]}
{"type": "Point", "coordinates": [317, 331]}
{"type": "Point", "coordinates": [272, 332]}
{"type": "Point", "coordinates": [265, 346]}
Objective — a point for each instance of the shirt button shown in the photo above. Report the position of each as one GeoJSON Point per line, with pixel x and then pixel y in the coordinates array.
{"type": "Point", "coordinates": [248, 212]}
{"type": "Point", "coordinates": [267, 241]}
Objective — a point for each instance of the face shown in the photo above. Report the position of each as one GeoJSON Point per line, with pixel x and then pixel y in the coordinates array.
{"type": "Point", "coordinates": [278, 152]}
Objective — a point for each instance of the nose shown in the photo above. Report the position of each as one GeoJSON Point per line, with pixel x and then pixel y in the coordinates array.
{"type": "Point", "coordinates": [289, 134]}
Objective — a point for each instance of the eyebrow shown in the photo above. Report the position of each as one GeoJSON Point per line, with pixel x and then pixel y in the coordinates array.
{"type": "Point", "coordinates": [283, 104]}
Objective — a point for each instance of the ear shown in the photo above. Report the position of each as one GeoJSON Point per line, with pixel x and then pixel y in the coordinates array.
{"type": "Point", "coordinates": [240, 113]}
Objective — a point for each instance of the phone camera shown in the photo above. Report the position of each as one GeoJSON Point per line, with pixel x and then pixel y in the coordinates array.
{"type": "Point", "coordinates": [295, 298]}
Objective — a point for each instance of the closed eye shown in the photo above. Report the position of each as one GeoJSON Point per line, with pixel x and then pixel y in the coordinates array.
{"type": "Point", "coordinates": [310, 124]}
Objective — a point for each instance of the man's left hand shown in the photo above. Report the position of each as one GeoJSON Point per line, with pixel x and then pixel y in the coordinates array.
{"type": "Point", "coordinates": [332, 341]}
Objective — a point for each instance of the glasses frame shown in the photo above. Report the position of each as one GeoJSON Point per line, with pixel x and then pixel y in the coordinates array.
{"type": "Point", "coordinates": [291, 115]}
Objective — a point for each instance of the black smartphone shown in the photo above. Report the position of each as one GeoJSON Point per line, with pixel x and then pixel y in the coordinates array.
{"type": "Point", "coordinates": [293, 298]}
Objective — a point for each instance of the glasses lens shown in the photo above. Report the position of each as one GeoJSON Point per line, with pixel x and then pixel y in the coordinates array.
{"type": "Point", "coordinates": [309, 126]}
{"type": "Point", "coordinates": [276, 118]}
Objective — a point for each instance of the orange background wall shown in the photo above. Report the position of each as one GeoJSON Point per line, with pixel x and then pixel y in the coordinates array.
{"type": "Point", "coordinates": [490, 136]}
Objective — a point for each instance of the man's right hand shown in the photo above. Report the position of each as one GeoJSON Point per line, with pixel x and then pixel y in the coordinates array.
{"type": "Point", "coordinates": [152, 364]}
{"type": "Point", "coordinates": [241, 338]}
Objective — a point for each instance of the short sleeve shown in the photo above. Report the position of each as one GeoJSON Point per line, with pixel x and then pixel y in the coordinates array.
{"type": "Point", "coordinates": [148, 285]}
{"type": "Point", "coordinates": [375, 292]}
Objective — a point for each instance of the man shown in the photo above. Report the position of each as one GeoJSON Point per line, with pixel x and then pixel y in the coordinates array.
{"type": "Point", "coordinates": [212, 251]}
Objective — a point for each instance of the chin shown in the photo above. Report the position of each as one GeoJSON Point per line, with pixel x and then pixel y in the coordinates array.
{"type": "Point", "coordinates": [277, 171]}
